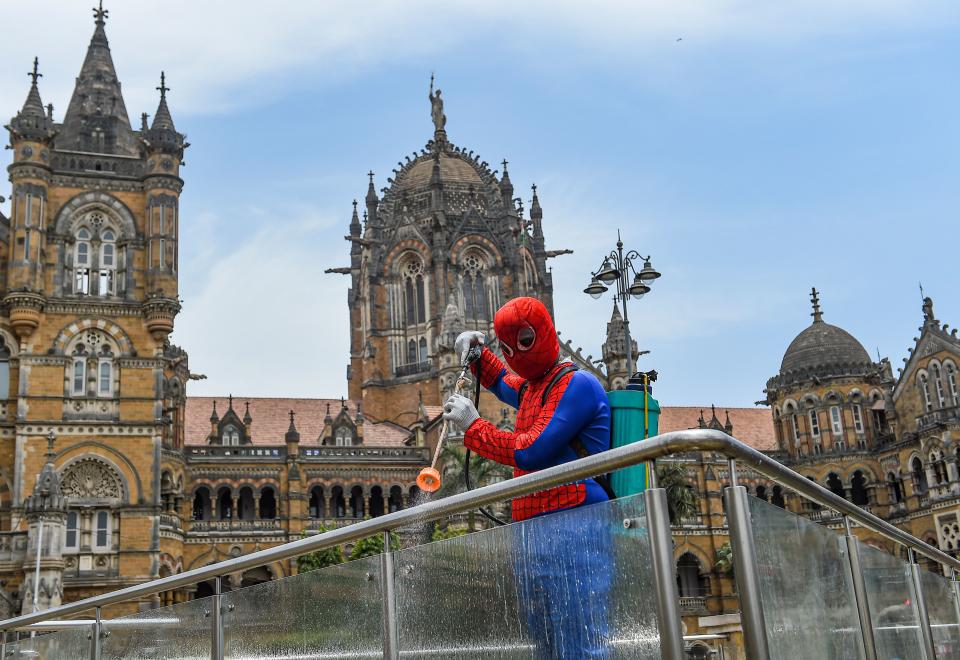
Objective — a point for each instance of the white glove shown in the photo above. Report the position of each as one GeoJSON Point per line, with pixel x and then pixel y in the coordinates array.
{"type": "Point", "coordinates": [459, 410]}
{"type": "Point", "coordinates": [463, 342]}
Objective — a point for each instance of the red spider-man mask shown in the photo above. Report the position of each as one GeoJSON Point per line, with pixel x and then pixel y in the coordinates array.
{"type": "Point", "coordinates": [527, 337]}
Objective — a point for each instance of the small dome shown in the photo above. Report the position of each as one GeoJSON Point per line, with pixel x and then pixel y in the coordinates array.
{"type": "Point", "coordinates": [823, 344]}
{"type": "Point", "coordinates": [453, 169]}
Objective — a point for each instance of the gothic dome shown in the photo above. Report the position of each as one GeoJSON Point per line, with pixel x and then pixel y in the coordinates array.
{"type": "Point", "coordinates": [823, 344]}
{"type": "Point", "coordinates": [453, 169]}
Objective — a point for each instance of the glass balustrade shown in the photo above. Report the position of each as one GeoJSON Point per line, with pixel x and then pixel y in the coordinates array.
{"type": "Point", "coordinates": [942, 609]}
{"type": "Point", "coordinates": [70, 644]}
{"type": "Point", "coordinates": [806, 587]}
{"type": "Point", "coordinates": [577, 580]}
{"type": "Point", "coordinates": [335, 612]}
{"type": "Point", "coordinates": [181, 631]}
{"type": "Point", "coordinates": [892, 604]}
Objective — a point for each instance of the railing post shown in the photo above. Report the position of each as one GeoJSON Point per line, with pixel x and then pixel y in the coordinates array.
{"type": "Point", "coordinates": [860, 592]}
{"type": "Point", "coordinates": [922, 613]}
{"type": "Point", "coordinates": [745, 568]}
{"type": "Point", "coordinates": [3, 645]}
{"type": "Point", "coordinates": [956, 600]}
{"type": "Point", "coordinates": [391, 636]}
{"type": "Point", "coordinates": [96, 628]}
{"type": "Point", "coordinates": [664, 571]}
{"type": "Point", "coordinates": [216, 615]}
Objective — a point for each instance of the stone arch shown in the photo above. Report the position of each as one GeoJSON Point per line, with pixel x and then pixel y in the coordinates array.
{"type": "Point", "coordinates": [404, 247]}
{"type": "Point", "coordinates": [92, 478]}
{"type": "Point", "coordinates": [121, 464]}
{"type": "Point", "coordinates": [96, 201]}
{"type": "Point", "coordinates": [72, 330]}
{"type": "Point", "coordinates": [834, 397]}
{"type": "Point", "coordinates": [479, 242]}
{"type": "Point", "coordinates": [867, 471]}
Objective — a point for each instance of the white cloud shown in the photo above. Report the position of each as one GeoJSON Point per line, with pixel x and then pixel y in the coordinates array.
{"type": "Point", "coordinates": [221, 54]}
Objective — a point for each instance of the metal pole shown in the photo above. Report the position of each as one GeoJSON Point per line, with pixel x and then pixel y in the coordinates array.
{"type": "Point", "coordinates": [664, 574]}
{"type": "Point", "coordinates": [36, 573]}
{"type": "Point", "coordinates": [922, 613]}
{"type": "Point", "coordinates": [622, 286]}
{"type": "Point", "coordinates": [745, 570]}
{"type": "Point", "coordinates": [3, 645]}
{"type": "Point", "coordinates": [391, 633]}
{"type": "Point", "coordinates": [216, 641]}
{"type": "Point", "coordinates": [860, 592]}
{"type": "Point", "coordinates": [95, 630]}
{"type": "Point", "coordinates": [956, 599]}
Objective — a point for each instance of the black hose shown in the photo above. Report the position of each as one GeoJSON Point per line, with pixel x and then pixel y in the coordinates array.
{"type": "Point", "coordinates": [466, 459]}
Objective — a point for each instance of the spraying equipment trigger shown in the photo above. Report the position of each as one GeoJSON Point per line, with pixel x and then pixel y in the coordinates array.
{"type": "Point", "coordinates": [429, 479]}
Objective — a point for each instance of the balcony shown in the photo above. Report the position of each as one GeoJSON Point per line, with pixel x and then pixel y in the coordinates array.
{"type": "Point", "coordinates": [234, 526]}
{"type": "Point", "coordinates": [418, 455]}
{"type": "Point", "coordinates": [804, 590]}
{"type": "Point", "coordinates": [412, 369]}
{"type": "Point", "coordinates": [937, 418]}
{"type": "Point", "coordinates": [243, 452]}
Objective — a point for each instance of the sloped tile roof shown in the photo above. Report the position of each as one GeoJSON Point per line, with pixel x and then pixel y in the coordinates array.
{"type": "Point", "coordinates": [752, 426]}
{"type": "Point", "coordinates": [271, 419]}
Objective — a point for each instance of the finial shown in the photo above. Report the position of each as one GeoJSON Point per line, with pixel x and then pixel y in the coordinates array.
{"type": "Point", "coordinates": [36, 70]}
{"type": "Point", "coordinates": [504, 162]}
{"type": "Point", "coordinates": [815, 299]}
{"type": "Point", "coordinates": [50, 111]}
{"type": "Point", "coordinates": [143, 122]}
{"type": "Point", "coordinates": [51, 438]}
{"type": "Point", "coordinates": [533, 187]}
{"type": "Point", "coordinates": [928, 316]}
{"type": "Point", "coordinates": [230, 402]}
{"type": "Point", "coordinates": [343, 403]}
{"type": "Point", "coordinates": [100, 14]}
{"type": "Point", "coordinates": [354, 206]}
{"type": "Point", "coordinates": [292, 415]}
{"type": "Point", "coordinates": [370, 174]}
{"type": "Point", "coordinates": [163, 86]}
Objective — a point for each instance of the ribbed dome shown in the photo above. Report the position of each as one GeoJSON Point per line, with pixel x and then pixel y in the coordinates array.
{"type": "Point", "coordinates": [823, 344]}
{"type": "Point", "coordinates": [453, 169]}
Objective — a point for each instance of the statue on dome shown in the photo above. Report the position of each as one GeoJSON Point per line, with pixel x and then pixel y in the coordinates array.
{"type": "Point", "coordinates": [436, 108]}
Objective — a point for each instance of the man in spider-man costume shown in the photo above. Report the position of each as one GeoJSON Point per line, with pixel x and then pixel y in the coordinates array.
{"type": "Point", "coordinates": [562, 562]}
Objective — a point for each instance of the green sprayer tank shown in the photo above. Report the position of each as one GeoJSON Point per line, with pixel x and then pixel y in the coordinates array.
{"type": "Point", "coordinates": [635, 415]}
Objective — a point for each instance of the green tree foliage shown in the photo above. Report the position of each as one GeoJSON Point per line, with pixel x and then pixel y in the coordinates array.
{"type": "Point", "coordinates": [724, 564]}
{"type": "Point", "coordinates": [681, 497]}
{"type": "Point", "coordinates": [440, 534]}
{"type": "Point", "coordinates": [321, 558]}
{"type": "Point", "coordinates": [372, 546]}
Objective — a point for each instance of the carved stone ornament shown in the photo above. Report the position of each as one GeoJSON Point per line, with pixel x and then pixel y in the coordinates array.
{"type": "Point", "coordinates": [91, 479]}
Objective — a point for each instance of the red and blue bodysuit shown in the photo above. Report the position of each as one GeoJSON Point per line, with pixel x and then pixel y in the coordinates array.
{"type": "Point", "coordinates": [562, 562]}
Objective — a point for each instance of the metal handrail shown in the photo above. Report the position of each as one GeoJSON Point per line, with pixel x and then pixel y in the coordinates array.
{"type": "Point", "coordinates": [676, 442]}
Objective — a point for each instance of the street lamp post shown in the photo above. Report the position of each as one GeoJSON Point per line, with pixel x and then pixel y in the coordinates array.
{"type": "Point", "coordinates": [616, 269]}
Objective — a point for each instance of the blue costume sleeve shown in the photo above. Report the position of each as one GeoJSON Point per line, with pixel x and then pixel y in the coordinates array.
{"type": "Point", "coordinates": [504, 392]}
{"type": "Point", "coordinates": [577, 407]}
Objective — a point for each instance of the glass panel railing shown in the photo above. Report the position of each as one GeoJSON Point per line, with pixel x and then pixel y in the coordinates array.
{"type": "Point", "coordinates": [69, 644]}
{"type": "Point", "coordinates": [805, 586]}
{"type": "Point", "coordinates": [893, 611]}
{"type": "Point", "coordinates": [335, 612]}
{"type": "Point", "coordinates": [942, 609]}
{"type": "Point", "coordinates": [574, 584]}
{"type": "Point", "coordinates": [179, 631]}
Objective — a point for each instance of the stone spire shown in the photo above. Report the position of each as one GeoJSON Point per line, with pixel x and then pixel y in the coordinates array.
{"type": "Point", "coordinates": [615, 349]}
{"type": "Point", "coordinates": [96, 119]}
{"type": "Point", "coordinates": [32, 122]}
{"type": "Point", "coordinates": [46, 495]}
{"type": "Point", "coordinates": [46, 514]}
{"type": "Point", "coordinates": [815, 300]}
{"type": "Point", "coordinates": [292, 434]}
{"type": "Point", "coordinates": [506, 186]}
{"type": "Point", "coordinates": [162, 118]}
{"type": "Point", "coordinates": [355, 226]}
{"type": "Point", "coordinates": [536, 213]}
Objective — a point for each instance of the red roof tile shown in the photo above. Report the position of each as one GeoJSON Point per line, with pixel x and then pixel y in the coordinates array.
{"type": "Point", "coordinates": [271, 419]}
{"type": "Point", "coordinates": [752, 426]}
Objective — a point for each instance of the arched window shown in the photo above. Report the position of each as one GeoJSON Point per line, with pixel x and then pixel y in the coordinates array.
{"type": "Point", "coordinates": [81, 261]}
{"type": "Point", "coordinates": [919, 475]}
{"type": "Point", "coordinates": [762, 493]}
{"type": "Point", "coordinates": [938, 386]}
{"type": "Point", "coordinates": [224, 504]}
{"type": "Point", "coordinates": [795, 427]}
{"type": "Point", "coordinates": [689, 581]}
{"type": "Point", "coordinates": [777, 497]}
{"type": "Point", "coordinates": [414, 294]}
{"type": "Point", "coordinates": [937, 467]}
{"type": "Point", "coordinates": [893, 486]}
{"type": "Point", "coordinates": [91, 372]}
{"type": "Point", "coordinates": [412, 351]}
{"type": "Point", "coordinates": [316, 502]}
{"type": "Point", "coordinates": [337, 502]}
{"type": "Point", "coordinates": [108, 263]}
{"type": "Point", "coordinates": [952, 384]}
{"type": "Point", "coordinates": [201, 504]}
{"type": "Point", "coordinates": [268, 504]}
{"type": "Point", "coordinates": [475, 305]}
{"type": "Point", "coordinates": [357, 507]}
{"type": "Point", "coordinates": [245, 505]}
{"type": "Point", "coordinates": [925, 391]}
{"type": "Point", "coordinates": [4, 369]}
{"type": "Point", "coordinates": [836, 421]}
{"type": "Point", "coordinates": [343, 437]}
{"type": "Point", "coordinates": [230, 436]}
{"type": "Point", "coordinates": [814, 424]}
{"type": "Point", "coordinates": [858, 489]}
{"type": "Point", "coordinates": [835, 485]}
{"type": "Point", "coordinates": [396, 499]}
{"type": "Point", "coordinates": [101, 535]}
{"type": "Point", "coordinates": [423, 349]}
{"type": "Point", "coordinates": [376, 501]}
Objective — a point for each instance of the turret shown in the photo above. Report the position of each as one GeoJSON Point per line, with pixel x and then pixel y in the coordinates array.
{"type": "Point", "coordinates": [46, 513]}
{"type": "Point", "coordinates": [31, 136]}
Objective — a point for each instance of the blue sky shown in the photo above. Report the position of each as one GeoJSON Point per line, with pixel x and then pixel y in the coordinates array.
{"type": "Point", "coordinates": [774, 147]}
